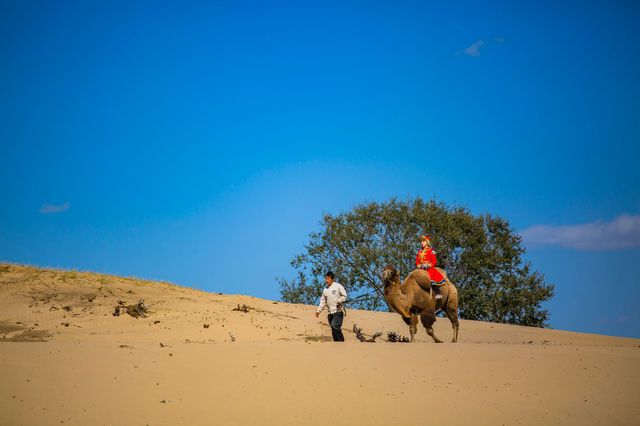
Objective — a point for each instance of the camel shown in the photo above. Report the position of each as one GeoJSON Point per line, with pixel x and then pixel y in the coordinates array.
{"type": "Point", "coordinates": [414, 297]}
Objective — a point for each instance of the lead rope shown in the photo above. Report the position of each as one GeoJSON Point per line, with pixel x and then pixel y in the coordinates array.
{"type": "Point", "coordinates": [355, 299]}
{"type": "Point", "coordinates": [360, 297]}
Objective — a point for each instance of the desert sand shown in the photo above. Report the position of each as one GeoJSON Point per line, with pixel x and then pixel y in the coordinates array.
{"type": "Point", "coordinates": [203, 358]}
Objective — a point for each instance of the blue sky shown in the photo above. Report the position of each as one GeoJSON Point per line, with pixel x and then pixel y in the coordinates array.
{"type": "Point", "coordinates": [201, 143]}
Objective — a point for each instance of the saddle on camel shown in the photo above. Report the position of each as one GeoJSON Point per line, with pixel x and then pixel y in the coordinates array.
{"type": "Point", "coordinates": [426, 259]}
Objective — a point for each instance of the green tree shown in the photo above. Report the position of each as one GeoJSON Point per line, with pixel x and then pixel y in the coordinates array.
{"type": "Point", "coordinates": [481, 254]}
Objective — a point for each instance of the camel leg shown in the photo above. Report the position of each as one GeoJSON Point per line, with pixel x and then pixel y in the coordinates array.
{"type": "Point", "coordinates": [452, 314]}
{"type": "Point", "coordinates": [427, 321]}
{"type": "Point", "coordinates": [412, 322]}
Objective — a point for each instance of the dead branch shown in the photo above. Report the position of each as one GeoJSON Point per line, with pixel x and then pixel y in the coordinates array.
{"type": "Point", "coordinates": [244, 308]}
{"type": "Point", "coordinates": [392, 336]}
{"type": "Point", "coordinates": [137, 310]}
{"type": "Point", "coordinates": [362, 337]}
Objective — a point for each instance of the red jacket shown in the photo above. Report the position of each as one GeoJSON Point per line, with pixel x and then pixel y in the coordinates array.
{"type": "Point", "coordinates": [429, 255]}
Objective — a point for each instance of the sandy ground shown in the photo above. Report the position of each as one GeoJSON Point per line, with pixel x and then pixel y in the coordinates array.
{"type": "Point", "coordinates": [65, 359]}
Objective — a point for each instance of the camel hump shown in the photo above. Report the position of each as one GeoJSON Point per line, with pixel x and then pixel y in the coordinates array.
{"type": "Point", "coordinates": [423, 278]}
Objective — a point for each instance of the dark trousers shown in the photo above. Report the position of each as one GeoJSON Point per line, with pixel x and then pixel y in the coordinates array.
{"type": "Point", "coordinates": [335, 321]}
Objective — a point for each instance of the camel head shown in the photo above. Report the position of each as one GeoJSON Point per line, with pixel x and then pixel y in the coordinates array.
{"type": "Point", "coordinates": [390, 275]}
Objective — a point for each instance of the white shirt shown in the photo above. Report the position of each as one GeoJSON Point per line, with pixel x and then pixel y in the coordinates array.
{"type": "Point", "coordinates": [333, 297]}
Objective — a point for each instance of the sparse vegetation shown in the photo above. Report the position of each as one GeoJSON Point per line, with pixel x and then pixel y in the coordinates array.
{"type": "Point", "coordinates": [136, 310]}
{"type": "Point", "coordinates": [392, 336]}
{"type": "Point", "coordinates": [244, 308]}
{"type": "Point", "coordinates": [318, 338]}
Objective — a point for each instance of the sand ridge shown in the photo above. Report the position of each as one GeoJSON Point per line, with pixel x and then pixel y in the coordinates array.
{"type": "Point", "coordinates": [209, 358]}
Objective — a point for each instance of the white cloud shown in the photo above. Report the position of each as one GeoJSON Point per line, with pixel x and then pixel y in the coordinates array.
{"type": "Point", "coordinates": [472, 50]}
{"type": "Point", "coordinates": [620, 320]}
{"type": "Point", "coordinates": [623, 232]}
{"type": "Point", "coordinates": [50, 208]}
{"type": "Point", "coordinates": [624, 319]}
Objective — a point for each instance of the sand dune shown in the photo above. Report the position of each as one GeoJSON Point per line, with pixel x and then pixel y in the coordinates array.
{"type": "Point", "coordinates": [205, 358]}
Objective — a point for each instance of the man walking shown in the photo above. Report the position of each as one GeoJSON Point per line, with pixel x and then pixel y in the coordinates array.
{"type": "Point", "coordinates": [333, 297]}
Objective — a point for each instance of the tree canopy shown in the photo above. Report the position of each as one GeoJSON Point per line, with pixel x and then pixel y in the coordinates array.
{"type": "Point", "coordinates": [481, 254]}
